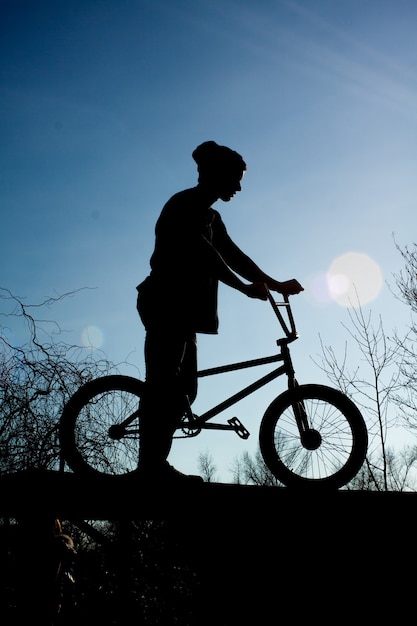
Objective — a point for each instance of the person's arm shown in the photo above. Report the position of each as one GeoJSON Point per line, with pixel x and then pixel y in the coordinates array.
{"type": "Point", "coordinates": [239, 262]}
{"type": "Point", "coordinates": [256, 289]}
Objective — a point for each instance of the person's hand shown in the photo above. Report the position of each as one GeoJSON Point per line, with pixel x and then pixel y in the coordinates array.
{"type": "Point", "coordinates": [257, 290]}
{"type": "Point", "coordinates": [288, 287]}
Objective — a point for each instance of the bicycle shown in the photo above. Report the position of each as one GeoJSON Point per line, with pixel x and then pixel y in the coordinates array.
{"type": "Point", "coordinates": [311, 435]}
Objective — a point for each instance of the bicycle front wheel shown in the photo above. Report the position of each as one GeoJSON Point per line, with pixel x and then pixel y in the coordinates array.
{"type": "Point", "coordinates": [333, 451]}
{"type": "Point", "coordinates": [89, 423]}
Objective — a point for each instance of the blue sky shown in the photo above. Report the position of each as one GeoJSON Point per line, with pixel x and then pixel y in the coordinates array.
{"type": "Point", "coordinates": [102, 103]}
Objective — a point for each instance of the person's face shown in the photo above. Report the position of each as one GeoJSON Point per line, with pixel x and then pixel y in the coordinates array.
{"type": "Point", "coordinates": [229, 185]}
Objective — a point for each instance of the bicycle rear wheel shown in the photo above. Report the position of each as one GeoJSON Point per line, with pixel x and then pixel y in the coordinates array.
{"type": "Point", "coordinates": [85, 424]}
{"type": "Point", "coordinates": [338, 443]}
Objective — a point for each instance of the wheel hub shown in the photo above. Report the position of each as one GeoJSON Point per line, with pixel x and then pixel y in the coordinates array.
{"type": "Point", "coordinates": [311, 439]}
{"type": "Point", "coordinates": [116, 431]}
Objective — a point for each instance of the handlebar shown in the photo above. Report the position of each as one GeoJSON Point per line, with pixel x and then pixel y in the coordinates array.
{"type": "Point", "coordinates": [290, 330]}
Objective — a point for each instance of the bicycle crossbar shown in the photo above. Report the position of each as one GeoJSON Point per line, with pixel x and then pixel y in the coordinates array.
{"type": "Point", "coordinates": [239, 366]}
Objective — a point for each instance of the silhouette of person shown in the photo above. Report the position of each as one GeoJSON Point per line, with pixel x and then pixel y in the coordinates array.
{"type": "Point", "coordinates": [193, 252]}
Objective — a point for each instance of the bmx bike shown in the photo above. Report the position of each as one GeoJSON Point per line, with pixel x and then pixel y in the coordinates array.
{"type": "Point", "coordinates": [310, 436]}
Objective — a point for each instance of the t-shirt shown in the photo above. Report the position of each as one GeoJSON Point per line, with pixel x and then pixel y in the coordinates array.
{"type": "Point", "coordinates": [181, 290]}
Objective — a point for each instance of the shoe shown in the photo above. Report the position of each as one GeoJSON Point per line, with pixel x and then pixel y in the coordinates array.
{"type": "Point", "coordinates": [165, 473]}
{"type": "Point", "coordinates": [170, 473]}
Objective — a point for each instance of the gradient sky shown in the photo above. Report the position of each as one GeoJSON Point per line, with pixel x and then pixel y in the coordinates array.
{"type": "Point", "coordinates": [102, 103]}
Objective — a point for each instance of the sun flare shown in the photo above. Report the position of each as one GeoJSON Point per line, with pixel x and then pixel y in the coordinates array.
{"type": "Point", "coordinates": [354, 279]}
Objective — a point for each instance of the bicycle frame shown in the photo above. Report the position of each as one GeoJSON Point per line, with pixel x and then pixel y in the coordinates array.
{"type": "Point", "coordinates": [192, 424]}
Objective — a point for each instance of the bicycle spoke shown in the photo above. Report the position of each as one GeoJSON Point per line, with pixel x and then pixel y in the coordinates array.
{"type": "Point", "coordinates": [335, 446]}
{"type": "Point", "coordinates": [89, 433]}
{"type": "Point", "coordinates": [331, 445]}
{"type": "Point", "coordinates": [92, 439]}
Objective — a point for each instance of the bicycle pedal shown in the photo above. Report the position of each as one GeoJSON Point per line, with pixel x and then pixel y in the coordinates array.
{"type": "Point", "coordinates": [238, 427]}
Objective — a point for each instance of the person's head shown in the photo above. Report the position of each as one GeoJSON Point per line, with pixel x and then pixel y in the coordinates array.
{"type": "Point", "coordinates": [220, 169]}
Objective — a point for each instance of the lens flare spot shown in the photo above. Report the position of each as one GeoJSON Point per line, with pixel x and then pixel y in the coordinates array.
{"type": "Point", "coordinates": [319, 289]}
{"type": "Point", "coordinates": [92, 337]}
{"type": "Point", "coordinates": [338, 284]}
{"type": "Point", "coordinates": [354, 279]}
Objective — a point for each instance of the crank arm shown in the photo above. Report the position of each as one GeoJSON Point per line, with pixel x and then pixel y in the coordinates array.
{"type": "Point", "coordinates": [192, 429]}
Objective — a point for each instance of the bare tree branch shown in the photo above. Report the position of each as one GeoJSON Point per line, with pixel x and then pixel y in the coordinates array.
{"type": "Point", "coordinates": [37, 377]}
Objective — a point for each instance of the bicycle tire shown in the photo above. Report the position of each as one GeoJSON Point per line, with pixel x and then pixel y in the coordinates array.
{"type": "Point", "coordinates": [86, 445]}
{"type": "Point", "coordinates": [343, 438]}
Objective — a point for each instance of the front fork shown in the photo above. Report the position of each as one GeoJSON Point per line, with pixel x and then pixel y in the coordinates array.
{"type": "Point", "coordinates": [309, 437]}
